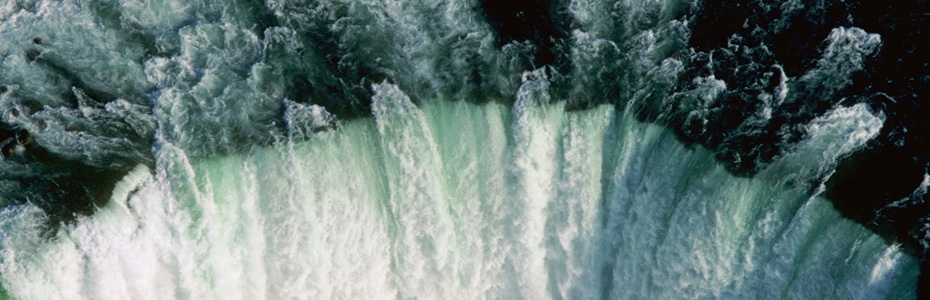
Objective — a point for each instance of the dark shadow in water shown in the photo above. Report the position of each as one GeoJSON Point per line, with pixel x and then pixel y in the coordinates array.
{"type": "Point", "coordinates": [894, 81]}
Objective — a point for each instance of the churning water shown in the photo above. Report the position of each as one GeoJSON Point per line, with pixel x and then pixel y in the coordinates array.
{"type": "Point", "coordinates": [393, 150]}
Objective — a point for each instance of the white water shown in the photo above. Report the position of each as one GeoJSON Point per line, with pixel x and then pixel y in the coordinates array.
{"type": "Point", "coordinates": [452, 200]}
{"type": "Point", "coordinates": [445, 200]}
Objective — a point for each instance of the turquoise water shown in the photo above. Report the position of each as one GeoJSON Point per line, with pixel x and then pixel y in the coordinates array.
{"type": "Point", "coordinates": [452, 200]}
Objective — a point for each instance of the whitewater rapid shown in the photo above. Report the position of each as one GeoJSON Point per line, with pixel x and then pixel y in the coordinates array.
{"type": "Point", "coordinates": [454, 149]}
{"type": "Point", "coordinates": [452, 200]}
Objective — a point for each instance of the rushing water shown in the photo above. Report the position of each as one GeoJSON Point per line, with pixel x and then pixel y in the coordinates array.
{"type": "Point", "coordinates": [164, 149]}
{"type": "Point", "coordinates": [460, 201]}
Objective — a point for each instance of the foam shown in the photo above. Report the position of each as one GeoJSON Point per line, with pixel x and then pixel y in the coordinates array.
{"type": "Point", "coordinates": [462, 201]}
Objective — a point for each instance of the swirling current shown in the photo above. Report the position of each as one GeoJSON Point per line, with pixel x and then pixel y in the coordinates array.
{"type": "Point", "coordinates": [464, 149]}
